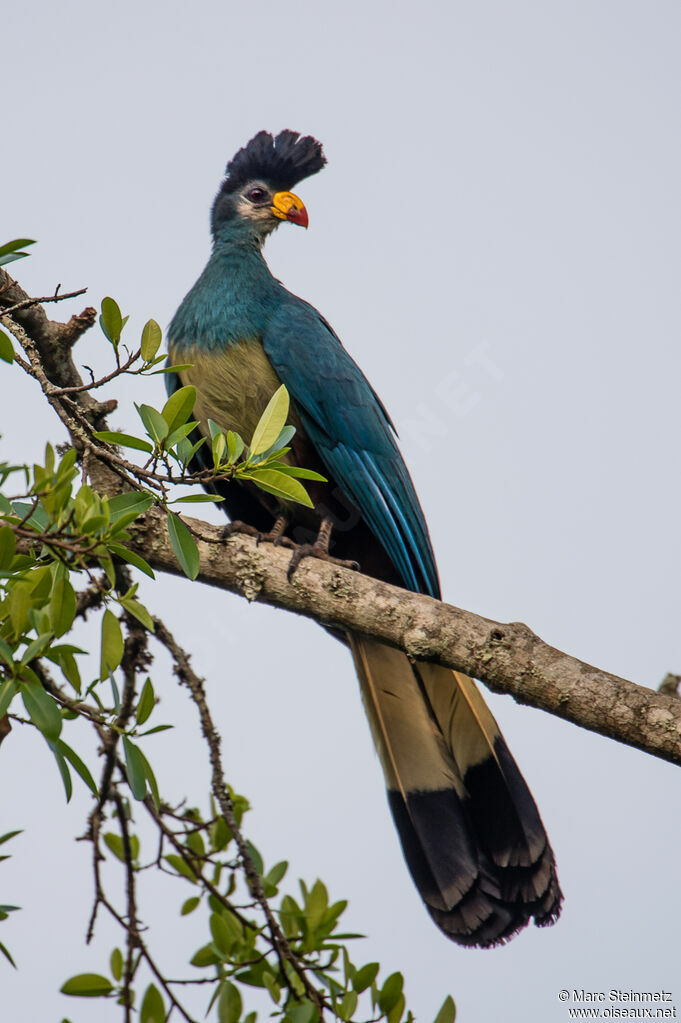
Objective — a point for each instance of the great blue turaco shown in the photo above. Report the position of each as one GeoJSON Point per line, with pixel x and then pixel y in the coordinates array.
{"type": "Point", "coordinates": [469, 827]}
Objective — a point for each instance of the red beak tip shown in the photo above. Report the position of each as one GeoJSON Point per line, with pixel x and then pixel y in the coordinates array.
{"type": "Point", "coordinates": [299, 217]}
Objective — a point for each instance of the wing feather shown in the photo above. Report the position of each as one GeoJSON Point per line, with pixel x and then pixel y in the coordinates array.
{"type": "Point", "coordinates": [354, 436]}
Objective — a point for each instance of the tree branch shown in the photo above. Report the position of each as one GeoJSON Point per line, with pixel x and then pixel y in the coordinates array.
{"type": "Point", "coordinates": [509, 658]}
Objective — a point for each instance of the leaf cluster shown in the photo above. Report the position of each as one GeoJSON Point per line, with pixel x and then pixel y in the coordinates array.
{"type": "Point", "coordinates": [195, 454]}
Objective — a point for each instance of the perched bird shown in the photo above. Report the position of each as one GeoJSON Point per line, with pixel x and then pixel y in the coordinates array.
{"type": "Point", "coordinates": [470, 830]}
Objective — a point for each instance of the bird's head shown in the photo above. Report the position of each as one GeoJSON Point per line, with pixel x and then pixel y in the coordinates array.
{"type": "Point", "coordinates": [255, 196]}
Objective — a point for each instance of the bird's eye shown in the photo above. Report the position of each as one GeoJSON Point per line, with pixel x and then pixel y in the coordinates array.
{"type": "Point", "coordinates": [256, 194]}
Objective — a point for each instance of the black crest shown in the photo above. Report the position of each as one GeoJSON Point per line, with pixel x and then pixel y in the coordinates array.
{"type": "Point", "coordinates": [282, 161]}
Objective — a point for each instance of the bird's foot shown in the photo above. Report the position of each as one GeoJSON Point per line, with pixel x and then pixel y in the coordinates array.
{"type": "Point", "coordinates": [274, 536]}
{"type": "Point", "coordinates": [237, 527]}
{"type": "Point", "coordinates": [319, 549]}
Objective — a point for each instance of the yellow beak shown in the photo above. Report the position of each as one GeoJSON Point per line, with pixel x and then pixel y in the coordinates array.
{"type": "Point", "coordinates": [288, 206]}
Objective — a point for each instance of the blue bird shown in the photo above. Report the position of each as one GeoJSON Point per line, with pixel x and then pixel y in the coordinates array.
{"type": "Point", "coordinates": [470, 830]}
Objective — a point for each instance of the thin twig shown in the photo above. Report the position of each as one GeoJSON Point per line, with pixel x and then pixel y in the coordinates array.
{"type": "Point", "coordinates": [185, 673]}
{"type": "Point", "coordinates": [27, 303]}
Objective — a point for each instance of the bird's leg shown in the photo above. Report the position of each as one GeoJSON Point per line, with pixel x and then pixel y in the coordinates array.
{"type": "Point", "coordinates": [318, 549]}
{"type": "Point", "coordinates": [276, 533]}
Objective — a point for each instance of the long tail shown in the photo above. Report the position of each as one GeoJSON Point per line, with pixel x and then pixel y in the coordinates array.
{"type": "Point", "coordinates": [470, 830]}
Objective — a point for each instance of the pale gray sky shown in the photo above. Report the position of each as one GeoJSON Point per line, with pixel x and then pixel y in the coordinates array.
{"type": "Point", "coordinates": [496, 240]}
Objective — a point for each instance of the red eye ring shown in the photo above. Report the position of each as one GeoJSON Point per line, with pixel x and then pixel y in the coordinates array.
{"type": "Point", "coordinates": [256, 194]}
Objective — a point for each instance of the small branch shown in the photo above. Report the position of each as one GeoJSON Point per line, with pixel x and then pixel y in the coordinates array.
{"type": "Point", "coordinates": [132, 935]}
{"type": "Point", "coordinates": [79, 388]}
{"type": "Point", "coordinates": [27, 303]}
{"type": "Point", "coordinates": [192, 863]}
{"type": "Point", "coordinates": [185, 673]}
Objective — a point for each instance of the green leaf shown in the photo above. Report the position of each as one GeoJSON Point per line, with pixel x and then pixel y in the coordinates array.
{"type": "Point", "coordinates": [255, 856]}
{"type": "Point", "coordinates": [277, 483]}
{"type": "Point", "coordinates": [10, 250]}
{"type": "Point", "coordinates": [114, 843]}
{"type": "Point", "coordinates": [365, 977]}
{"type": "Point", "coordinates": [180, 866]}
{"type": "Point", "coordinates": [180, 433]}
{"type": "Point", "coordinates": [303, 1012]}
{"type": "Point", "coordinates": [154, 423]}
{"type": "Point", "coordinates": [295, 470]}
{"type": "Point", "coordinates": [6, 653]}
{"type": "Point", "coordinates": [229, 1003]}
{"type": "Point", "coordinates": [5, 952]}
{"type": "Point", "coordinates": [348, 1005]}
{"type": "Point", "coordinates": [69, 667]}
{"type": "Point", "coordinates": [395, 1014]}
{"type": "Point", "coordinates": [8, 690]}
{"type": "Point", "coordinates": [152, 1009]}
{"type": "Point", "coordinates": [10, 834]}
{"type": "Point", "coordinates": [114, 692]}
{"type": "Point", "coordinates": [276, 873]}
{"type": "Point", "coordinates": [36, 648]}
{"type": "Point", "coordinates": [184, 545]}
{"type": "Point", "coordinates": [151, 340]}
{"type": "Point", "coordinates": [286, 435]}
{"type": "Point", "coordinates": [390, 993]}
{"type": "Point", "coordinates": [272, 987]}
{"type": "Point", "coordinates": [146, 703]}
{"type": "Point", "coordinates": [87, 985]}
{"type": "Point", "coordinates": [189, 905]}
{"type": "Point", "coordinates": [218, 446]}
{"type": "Point", "coordinates": [124, 440]}
{"type": "Point", "coordinates": [132, 559]}
{"type": "Point", "coordinates": [316, 904]}
{"type": "Point", "coordinates": [6, 348]}
{"type": "Point", "coordinates": [206, 956]}
{"type": "Point", "coordinates": [186, 451]}
{"type": "Point", "coordinates": [198, 499]}
{"type": "Point", "coordinates": [8, 546]}
{"type": "Point", "coordinates": [447, 1013]}
{"type": "Point", "coordinates": [134, 768]}
{"type": "Point", "coordinates": [178, 407]}
{"type": "Point", "coordinates": [116, 964]}
{"type": "Point", "coordinates": [138, 611]}
{"type": "Point", "coordinates": [271, 422]}
{"type": "Point", "coordinates": [151, 777]}
{"type": "Point", "coordinates": [112, 644]}
{"type": "Point", "coordinates": [125, 508]}
{"type": "Point", "coordinates": [42, 709]}
{"type": "Point", "coordinates": [235, 446]}
{"type": "Point", "coordinates": [77, 765]}
{"type": "Point", "coordinates": [111, 321]}
{"type": "Point", "coordinates": [63, 770]}
{"type": "Point", "coordinates": [62, 606]}
{"type": "Point", "coordinates": [221, 933]}
{"type": "Point", "coordinates": [175, 369]}
{"type": "Point", "coordinates": [18, 604]}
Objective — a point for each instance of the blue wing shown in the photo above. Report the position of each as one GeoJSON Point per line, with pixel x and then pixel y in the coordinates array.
{"type": "Point", "coordinates": [346, 422]}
